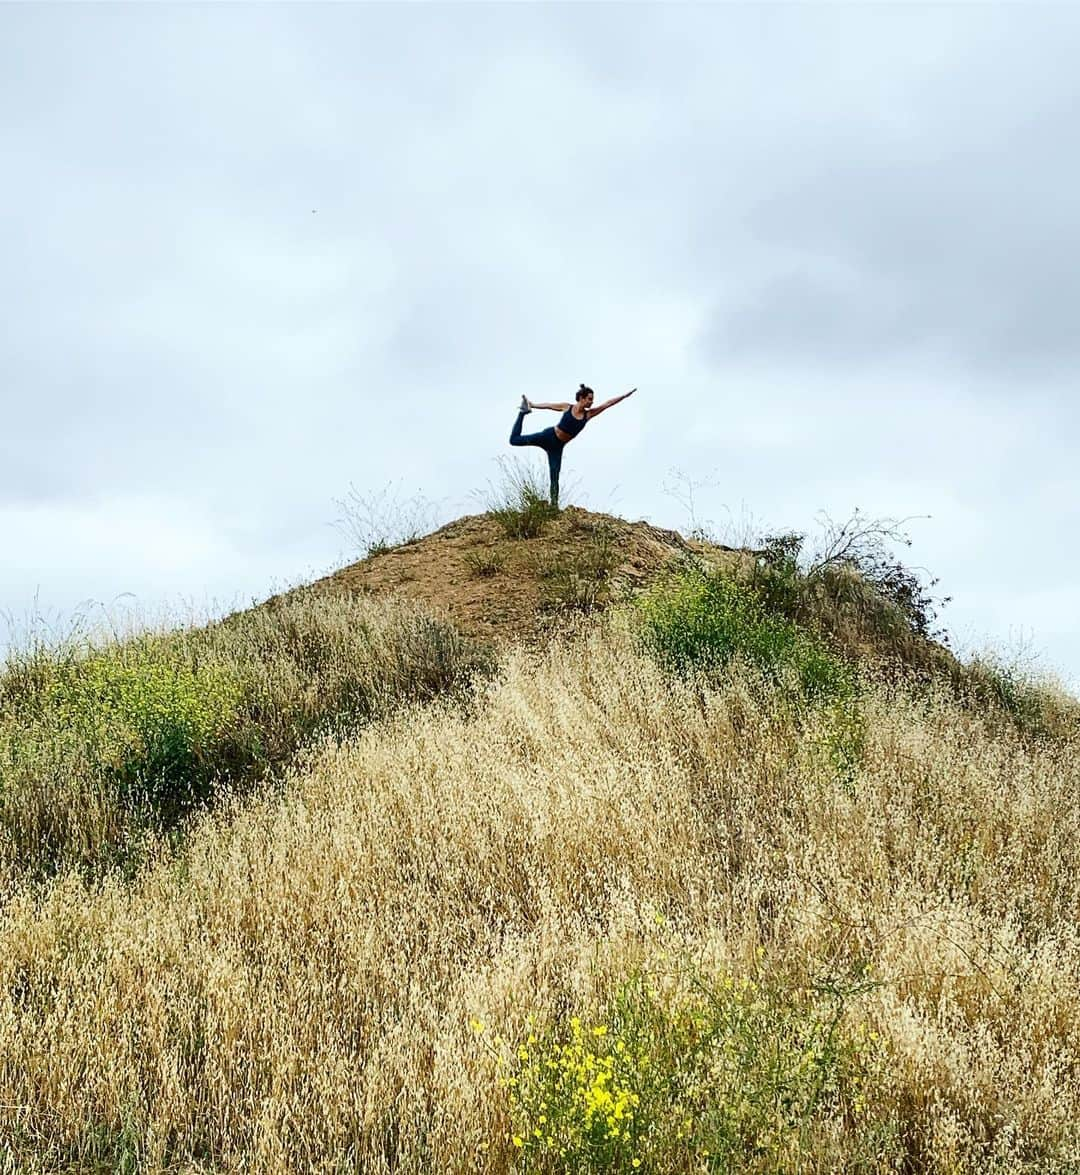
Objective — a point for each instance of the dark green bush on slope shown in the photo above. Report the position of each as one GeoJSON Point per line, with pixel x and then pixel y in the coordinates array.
{"type": "Point", "coordinates": [149, 717]}
{"type": "Point", "coordinates": [854, 593]}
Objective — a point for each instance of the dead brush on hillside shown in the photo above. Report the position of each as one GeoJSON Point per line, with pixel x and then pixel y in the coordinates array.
{"type": "Point", "coordinates": [577, 576]}
{"type": "Point", "coordinates": [856, 593]}
{"type": "Point", "coordinates": [485, 562]}
{"type": "Point", "coordinates": [1038, 708]}
{"type": "Point", "coordinates": [853, 589]}
{"type": "Point", "coordinates": [376, 521]}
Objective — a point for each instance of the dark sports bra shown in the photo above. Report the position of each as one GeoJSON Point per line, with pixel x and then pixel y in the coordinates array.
{"type": "Point", "coordinates": [570, 423]}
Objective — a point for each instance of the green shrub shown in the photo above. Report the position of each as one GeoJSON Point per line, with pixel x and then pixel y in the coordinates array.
{"type": "Point", "coordinates": [101, 746]}
{"type": "Point", "coordinates": [776, 578]}
{"type": "Point", "coordinates": [1036, 709]}
{"type": "Point", "coordinates": [853, 590]}
{"type": "Point", "coordinates": [836, 732]}
{"type": "Point", "coordinates": [733, 1075]}
{"type": "Point", "coordinates": [698, 620]}
{"type": "Point", "coordinates": [27, 674]}
{"type": "Point", "coordinates": [55, 806]}
{"type": "Point", "coordinates": [150, 719]}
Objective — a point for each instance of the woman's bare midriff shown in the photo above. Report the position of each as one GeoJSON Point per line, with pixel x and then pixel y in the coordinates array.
{"type": "Point", "coordinates": [565, 436]}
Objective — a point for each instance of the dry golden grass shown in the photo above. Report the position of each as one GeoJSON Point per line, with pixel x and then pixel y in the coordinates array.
{"type": "Point", "coordinates": [294, 990]}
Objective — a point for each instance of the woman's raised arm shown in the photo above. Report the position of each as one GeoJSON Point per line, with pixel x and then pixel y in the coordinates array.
{"type": "Point", "coordinates": [553, 407]}
{"type": "Point", "coordinates": [610, 403]}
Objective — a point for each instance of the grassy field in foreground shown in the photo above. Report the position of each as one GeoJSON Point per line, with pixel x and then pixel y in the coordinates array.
{"type": "Point", "coordinates": [600, 916]}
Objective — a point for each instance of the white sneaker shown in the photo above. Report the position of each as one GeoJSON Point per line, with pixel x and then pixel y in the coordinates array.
{"type": "Point", "coordinates": [525, 405]}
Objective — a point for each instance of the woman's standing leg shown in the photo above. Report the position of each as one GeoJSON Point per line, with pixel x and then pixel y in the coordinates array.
{"type": "Point", "coordinates": [554, 455]}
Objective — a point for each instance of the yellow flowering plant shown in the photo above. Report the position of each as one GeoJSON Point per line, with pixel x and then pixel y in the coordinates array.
{"type": "Point", "coordinates": [574, 1094]}
{"type": "Point", "coordinates": [719, 1074]}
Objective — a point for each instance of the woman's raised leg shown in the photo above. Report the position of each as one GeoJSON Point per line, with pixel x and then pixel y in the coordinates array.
{"type": "Point", "coordinates": [515, 433]}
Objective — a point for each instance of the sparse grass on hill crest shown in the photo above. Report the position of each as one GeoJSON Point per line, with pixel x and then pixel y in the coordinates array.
{"type": "Point", "coordinates": [520, 502]}
{"type": "Point", "coordinates": [376, 521]}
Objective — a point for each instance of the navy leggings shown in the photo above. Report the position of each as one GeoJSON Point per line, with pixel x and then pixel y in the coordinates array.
{"type": "Point", "coordinates": [550, 443]}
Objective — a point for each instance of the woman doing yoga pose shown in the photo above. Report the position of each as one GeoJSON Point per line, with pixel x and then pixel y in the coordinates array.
{"type": "Point", "coordinates": [553, 440]}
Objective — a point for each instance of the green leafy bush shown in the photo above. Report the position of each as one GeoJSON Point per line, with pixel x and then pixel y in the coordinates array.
{"type": "Point", "coordinates": [103, 745]}
{"type": "Point", "coordinates": [1035, 708]}
{"type": "Point", "coordinates": [836, 733]}
{"type": "Point", "coordinates": [853, 588]}
{"type": "Point", "coordinates": [699, 620]}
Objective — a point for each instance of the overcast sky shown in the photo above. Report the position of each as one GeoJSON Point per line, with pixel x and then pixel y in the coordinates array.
{"type": "Point", "coordinates": [255, 255]}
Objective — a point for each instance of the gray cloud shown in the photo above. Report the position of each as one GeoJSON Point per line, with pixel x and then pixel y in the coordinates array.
{"type": "Point", "coordinates": [835, 246]}
{"type": "Point", "coordinates": [940, 226]}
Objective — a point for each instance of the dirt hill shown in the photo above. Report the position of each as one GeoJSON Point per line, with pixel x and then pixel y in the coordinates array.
{"type": "Point", "coordinates": [500, 589]}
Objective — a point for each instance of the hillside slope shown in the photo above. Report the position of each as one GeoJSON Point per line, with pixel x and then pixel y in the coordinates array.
{"type": "Point", "coordinates": [325, 887]}
{"type": "Point", "coordinates": [600, 920]}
